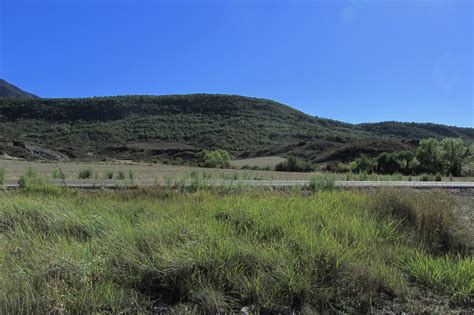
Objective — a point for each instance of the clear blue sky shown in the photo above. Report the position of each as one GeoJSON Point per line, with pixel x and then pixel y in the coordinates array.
{"type": "Point", "coordinates": [356, 61]}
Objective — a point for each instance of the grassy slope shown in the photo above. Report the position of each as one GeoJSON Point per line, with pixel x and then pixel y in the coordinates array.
{"type": "Point", "coordinates": [242, 125]}
{"type": "Point", "coordinates": [97, 252]}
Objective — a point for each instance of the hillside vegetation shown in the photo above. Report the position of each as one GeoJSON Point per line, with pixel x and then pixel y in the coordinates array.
{"type": "Point", "coordinates": [180, 126]}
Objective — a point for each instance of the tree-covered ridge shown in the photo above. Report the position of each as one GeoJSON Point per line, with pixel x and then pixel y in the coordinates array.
{"type": "Point", "coordinates": [233, 123]}
{"type": "Point", "coordinates": [417, 130]}
{"type": "Point", "coordinates": [112, 126]}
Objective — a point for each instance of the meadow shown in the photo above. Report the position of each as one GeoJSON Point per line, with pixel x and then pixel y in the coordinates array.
{"type": "Point", "coordinates": [158, 172]}
{"type": "Point", "coordinates": [221, 250]}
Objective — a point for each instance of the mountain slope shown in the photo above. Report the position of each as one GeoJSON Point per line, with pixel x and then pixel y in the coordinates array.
{"type": "Point", "coordinates": [8, 90]}
{"type": "Point", "coordinates": [178, 126]}
{"type": "Point", "coordinates": [416, 130]}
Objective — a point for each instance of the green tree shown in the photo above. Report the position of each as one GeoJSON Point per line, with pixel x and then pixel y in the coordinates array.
{"type": "Point", "coordinates": [216, 158]}
{"type": "Point", "coordinates": [455, 155]}
{"type": "Point", "coordinates": [431, 156]}
{"type": "Point", "coordinates": [364, 164]}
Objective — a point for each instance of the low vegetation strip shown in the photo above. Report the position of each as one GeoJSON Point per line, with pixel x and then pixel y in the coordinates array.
{"type": "Point", "coordinates": [201, 182]}
{"type": "Point", "coordinates": [160, 250]}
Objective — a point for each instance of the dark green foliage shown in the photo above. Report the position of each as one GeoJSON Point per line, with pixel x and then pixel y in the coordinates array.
{"type": "Point", "coordinates": [445, 157]}
{"type": "Point", "coordinates": [417, 130]}
{"type": "Point", "coordinates": [363, 164]}
{"type": "Point", "coordinates": [430, 155]}
{"type": "Point", "coordinates": [217, 158]}
{"type": "Point", "coordinates": [455, 154]}
{"type": "Point", "coordinates": [121, 175]}
{"type": "Point", "coordinates": [142, 127]}
{"type": "Point", "coordinates": [86, 173]}
{"type": "Point", "coordinates": [2, 175]}
{"type": "Point", "coordinates": [293, 164]}
{"type": "Point", "coordinates": [395, 162]}
{"type": "Point", "coordinates": [335, 167]}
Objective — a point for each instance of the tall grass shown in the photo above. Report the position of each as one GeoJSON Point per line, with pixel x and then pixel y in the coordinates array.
{"type": "Point", "coordinates": [453, 275]}
{"type": "Point", "coordinates": [133, 251]}
{"type": "Point", "coordinates": [427, 215]}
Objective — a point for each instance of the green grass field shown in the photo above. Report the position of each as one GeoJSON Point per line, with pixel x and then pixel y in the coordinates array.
{"type": "Point", "coordinates": [218, 251]}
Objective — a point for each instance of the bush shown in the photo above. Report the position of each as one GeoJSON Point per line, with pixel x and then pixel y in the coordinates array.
{"type": "Point", "coordinates": [58, 174]}
{"type": "Point", "coordinates": [121, 175]}
{"type": "Point", "coordinates": [322, 183]}
{"type": "Point", "coordinates": [432, 156]}
{"type": "Point", "coordinates": [293, 164]}
{"type": "Point", "coordinates": [335, 167]}
{"type": "Point", "coordinates": [363, 164]}
{"type": "Point", "coordinates": [218, 158]}
{"type": "Point", "coordinates": [2, 175]}
{"type": "Point", "coordinates": [86, 173]}
{"type": "Point", "coordinates": [31, 180]}
{"type": "Point", "coordinates": [131, 176]}
{"type": "Point", "coordinates": [109, 175]}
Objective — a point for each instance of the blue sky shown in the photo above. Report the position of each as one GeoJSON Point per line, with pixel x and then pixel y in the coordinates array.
{"type": "Point", "coordinates": [355, 61]}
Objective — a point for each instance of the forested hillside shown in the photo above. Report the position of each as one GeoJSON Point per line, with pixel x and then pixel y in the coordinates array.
{"type": "Point", "coordinates": [147, 127]}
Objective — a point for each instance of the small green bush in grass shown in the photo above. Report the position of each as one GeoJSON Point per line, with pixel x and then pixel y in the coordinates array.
{"type": "Point", "coordinates": [109, 175]}
{"type": "Point", "coordinates": [86, 173]}
{"type": "Point", "coordinates": [293, 164]}
{"type": "Point", "coordinates": [216, 158]}
{"type": "Point", "coordinates": [322, 183]}
{"type": "Point", "coordinates": [2, 175]}
{"type": "Point", "coordinates": [121, 175]}
{"type": "Point", "coordinates": [58, 174]}
{"type": "Point", "coordinates": [131, 176]}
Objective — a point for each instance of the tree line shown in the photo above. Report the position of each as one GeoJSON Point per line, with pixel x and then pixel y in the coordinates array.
{"type": "Point", "coordinates": [432, 156]}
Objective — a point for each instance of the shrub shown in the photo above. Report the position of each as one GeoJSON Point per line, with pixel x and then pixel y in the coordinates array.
{"type": "Point", "coordinates": [86, 173]}
{"type": "Point", "coordinates": [454, 155]}
{"type": "Point", "coordinates": [121, 175]}
{"type": "Point", "coordinates": [2, 175]}
{"type": "Point", "coordinates": [31, 180]}
{"type": "Point", "coordinates": [363, 164]}
{"type": "Point", "coordinates": [217, 158]}
{"type": "Point", "coordinates": [322, 183]}
{"type": "Point", "coordinates": [109, 175]}
{"type": "Point", "coordinates": [58, 174]}
{"type": "Point", "coordinates": [335, 167]}
{"type": "Point", "coordinates": [293, 164]}
{"type": "Point", "coordinates": [430, 155]}
{"type": "Point", "coordinates": [426, 177]}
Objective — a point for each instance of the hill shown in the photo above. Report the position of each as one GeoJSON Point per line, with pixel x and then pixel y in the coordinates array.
{"type": "Point", "coordinates": [417, 130]}
{"type": "Point", "coordinates": [8, 90]}
{"type": "Point", "coordinates": [179, 126]}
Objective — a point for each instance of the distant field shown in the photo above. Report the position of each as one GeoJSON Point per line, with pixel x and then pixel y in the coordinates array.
{"type": "Point", "coordinates": [160, 172]}
{"type": "Point", "coordinates": [142, 171]}
{"type": "Point", "coordinates": [262, 162]}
